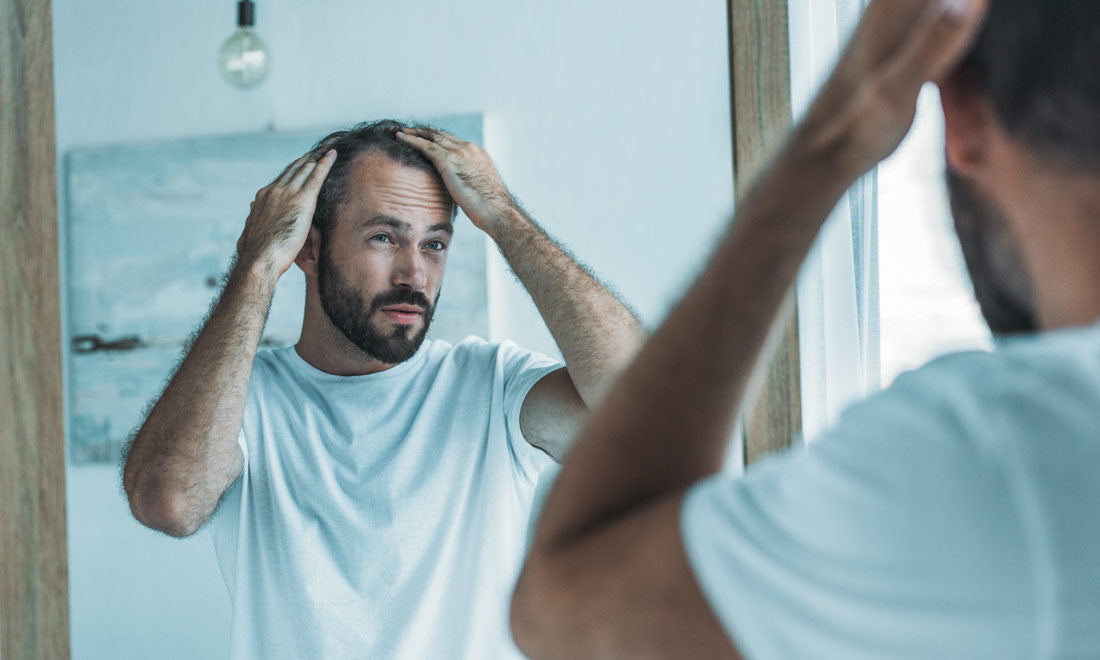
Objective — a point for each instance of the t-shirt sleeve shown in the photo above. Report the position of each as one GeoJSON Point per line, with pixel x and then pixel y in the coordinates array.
{"type": "Point", "coordinates": [521, 370]}
{"type": "Point", "coordinates": [895, 535]}
{"type": "Point", "coordinates": [242, 442]}
{"type": "Point", "coordinates": [224, 524]}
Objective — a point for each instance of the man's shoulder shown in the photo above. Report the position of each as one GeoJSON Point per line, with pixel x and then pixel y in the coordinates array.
{"type": "Point", "coordinates": [272, 359]}
{"type": "Point", "coordinates": [1050, 380]}
{"type": "Point", "coordinates": [1025, 366]}
{"type": "Point", "coordinates": [499, 360]}
{"type": "Point", "coordinates": [273, 373]}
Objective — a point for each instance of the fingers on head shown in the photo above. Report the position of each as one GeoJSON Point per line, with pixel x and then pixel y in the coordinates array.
{"type": "Point", "coordinates": [315, 160]}
{"type": "Point", "coordinates": [419, 131]}
{"type": "Point", "coordinates": [324, 147]}
{"type": "Point", "coordinates": [422, 144]}
{"type": "Point", "coordinates": [415, 135]}
{"type": "Point", "coordinates": [291, 169]}
{"type": "Point", "coordinates": [301, 173]}
{"type": "Point", "coordinates": [320, 170]}
{"type": "Point", "coordinates": [436, 136]}
{"type": "Point", "coordinates": [938, 40]}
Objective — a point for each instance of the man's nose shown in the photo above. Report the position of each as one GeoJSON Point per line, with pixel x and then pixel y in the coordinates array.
{"type": "Point", "coordinates": [409, 269]}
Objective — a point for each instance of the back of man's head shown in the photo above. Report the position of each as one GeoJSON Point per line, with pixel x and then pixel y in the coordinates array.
{"type": "Point", "coordinates": [377, 136]}
{"type": "Point", "coordinates": [1039, 61]}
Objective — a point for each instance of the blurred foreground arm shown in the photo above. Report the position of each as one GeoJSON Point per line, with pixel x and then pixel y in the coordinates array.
{"type": "Point", "coordinates": [185, 455]}
{"type": "Point", "coordinates": [607, 576]}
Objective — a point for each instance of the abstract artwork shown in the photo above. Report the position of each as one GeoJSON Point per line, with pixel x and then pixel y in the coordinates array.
{"type": "Point", "coordinates": [151, 229]}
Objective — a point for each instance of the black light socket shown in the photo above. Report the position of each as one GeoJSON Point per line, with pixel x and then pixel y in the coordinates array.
{"type": "Point", "coordinates": [246, 13]}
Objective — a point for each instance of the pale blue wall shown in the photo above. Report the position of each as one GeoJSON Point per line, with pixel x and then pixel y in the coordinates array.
{"type": "Point", "coordinates": [610, 120]}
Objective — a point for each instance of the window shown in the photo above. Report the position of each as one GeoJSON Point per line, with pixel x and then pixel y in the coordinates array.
{"type": "Point", "coordinates": [926, 301]}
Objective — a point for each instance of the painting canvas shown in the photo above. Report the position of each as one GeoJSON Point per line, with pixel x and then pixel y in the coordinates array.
{"type": "Point", "coordinates": [151, 229]}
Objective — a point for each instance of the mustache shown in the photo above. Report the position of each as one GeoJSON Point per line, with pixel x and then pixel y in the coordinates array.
{"type": "Point", "coordinates": [400, 297]}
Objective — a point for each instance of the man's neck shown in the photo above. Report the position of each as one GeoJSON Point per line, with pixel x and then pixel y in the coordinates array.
{"type": "Point", "coordinates": [1057, 223]}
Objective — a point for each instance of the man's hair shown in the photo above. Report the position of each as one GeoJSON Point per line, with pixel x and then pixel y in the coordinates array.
{"type": "Point", "coordinates": [377, 136]}
{"type": "Point", "coordinates": [1039, 61]}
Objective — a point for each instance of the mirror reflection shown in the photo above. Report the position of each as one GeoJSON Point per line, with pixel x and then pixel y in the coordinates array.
{"type": "Point", "coordinates": [341, 284]}
{"type": "Point", "coordinates": [375, 477]}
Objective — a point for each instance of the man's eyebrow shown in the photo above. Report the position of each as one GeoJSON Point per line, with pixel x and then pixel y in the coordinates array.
{"type": "Point", "coordinates": [389, 221]}
{"type": "Point", "coordinates": [401, 225]}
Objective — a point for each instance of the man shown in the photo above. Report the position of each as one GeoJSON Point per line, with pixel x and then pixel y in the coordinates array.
{"type": "Point", "coordinates": [952, 516]}
{"type": "Point", "coordinates": [376, 487]}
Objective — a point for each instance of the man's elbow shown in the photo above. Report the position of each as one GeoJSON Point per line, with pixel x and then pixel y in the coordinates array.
{"type": "Point", "coordinates": [539, 612]}
{"type": "Point", "coordinates": [527, 625]}
{"type": "Point", "coordinates": [158, 508]}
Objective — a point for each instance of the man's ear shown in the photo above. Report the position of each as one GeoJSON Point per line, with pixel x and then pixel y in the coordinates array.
{"type": "Point", "coordinates": [310, 253]}
{"type": "Point", "coordinates": [969, 122]}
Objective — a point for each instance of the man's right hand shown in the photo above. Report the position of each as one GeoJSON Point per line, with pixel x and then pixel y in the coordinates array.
{"type": "Point", "coordinates": [280, 218]}
{"type": "Point", "coordinates": [867, 106]}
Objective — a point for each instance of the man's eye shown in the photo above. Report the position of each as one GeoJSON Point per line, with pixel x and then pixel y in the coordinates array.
{"type": "Point", "coordinates": [381, 238]}
{"type": "Point", "coordinates": [436, 245]}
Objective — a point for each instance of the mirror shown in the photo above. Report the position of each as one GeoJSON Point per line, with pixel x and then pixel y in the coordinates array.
{"type": "Point", "coordinates": [609, 121]}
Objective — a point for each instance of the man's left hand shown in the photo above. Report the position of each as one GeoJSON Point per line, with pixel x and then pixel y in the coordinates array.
{"type": "Point", "coordinates": [867, 106]}
{"type": "Point", "coordinates": [468, 173]}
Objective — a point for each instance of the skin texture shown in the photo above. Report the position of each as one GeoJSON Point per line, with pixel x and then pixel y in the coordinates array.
{"type": "Point", "coordinates": [607, 576]}
{"type": "Point", "coordinates": [389, 242]}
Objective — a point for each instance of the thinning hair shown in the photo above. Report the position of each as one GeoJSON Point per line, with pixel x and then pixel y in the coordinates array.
{"type": "Point", "coordinates": [376, 136]}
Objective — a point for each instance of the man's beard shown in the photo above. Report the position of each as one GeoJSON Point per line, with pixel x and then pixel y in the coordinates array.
{"type": "Point", "coordinates": [345, 309]}
{"type": "Point", "coordinates": [1002, 284]}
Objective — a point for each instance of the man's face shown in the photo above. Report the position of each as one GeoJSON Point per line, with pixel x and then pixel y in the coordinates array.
{"type": "Point", "coordinates": [1001, 282]}
{"type": "Point", "coordinates": [381, 265]}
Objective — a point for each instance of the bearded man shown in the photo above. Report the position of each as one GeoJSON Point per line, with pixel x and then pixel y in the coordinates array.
{"type": "Point", "coordinates": [374, 487]}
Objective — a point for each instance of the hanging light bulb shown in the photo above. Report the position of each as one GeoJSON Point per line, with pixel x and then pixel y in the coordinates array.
{"type": "Point", "coordinates": [243, 58]}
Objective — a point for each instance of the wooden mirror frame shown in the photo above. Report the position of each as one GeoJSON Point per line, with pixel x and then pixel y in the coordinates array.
{"type": "Point", "coordinates": [34, 593]}
{"type": "Point", "coordinates": [760, 89]}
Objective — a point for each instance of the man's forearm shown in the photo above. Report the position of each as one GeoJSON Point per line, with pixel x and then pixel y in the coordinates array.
{"type": "Point", "coordinates": [609, 556]}
{"type": "Point", "coordinates": [185, 455]}
{"type": "Point", "coordinates": [667, 422]}
{"type": "Point", "coordinates": [596, 333]}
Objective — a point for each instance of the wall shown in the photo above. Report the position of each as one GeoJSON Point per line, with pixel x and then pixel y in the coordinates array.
{"type": "Point", "coordinates": [609, 119]}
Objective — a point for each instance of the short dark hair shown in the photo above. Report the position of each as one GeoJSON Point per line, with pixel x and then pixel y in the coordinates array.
{"type": "Point", "coordinates": [376, 136]}
{"type": "Point", "coordinates": [1039, 61]}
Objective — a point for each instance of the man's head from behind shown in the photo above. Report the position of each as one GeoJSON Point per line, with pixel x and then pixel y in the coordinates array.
{"type": "Point", "coordinates": [383, 220]}
{"type": "Point", "coordinates": [1034, 65]}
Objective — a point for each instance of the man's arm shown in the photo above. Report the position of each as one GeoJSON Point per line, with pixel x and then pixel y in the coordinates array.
{"type": "Point", "coordinates": [185, 455]}
{"type": "Point", "coordinates": [608, 575]}
{"type": "Point", "coordinates": [596, 333]}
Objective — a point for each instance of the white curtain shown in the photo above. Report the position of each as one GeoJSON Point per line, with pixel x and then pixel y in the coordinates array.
{"type": "Point", "coordinates": [838, 285]}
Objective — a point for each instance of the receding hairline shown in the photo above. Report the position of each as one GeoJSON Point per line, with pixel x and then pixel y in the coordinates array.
{"type": "Point", "coordinates": [378, 150]}
{"type": "Point", "coordinates": [374, 150]}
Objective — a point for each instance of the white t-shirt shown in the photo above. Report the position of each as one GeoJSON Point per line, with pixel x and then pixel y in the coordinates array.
{"type": "Point", "coordinates": [956, 515]}
{"type": "Point", "coordinates": [381, 516]}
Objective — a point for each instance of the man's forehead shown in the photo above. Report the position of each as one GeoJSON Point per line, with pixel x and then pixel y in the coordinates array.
{"type": "Point", "coordinates": [377, 183]}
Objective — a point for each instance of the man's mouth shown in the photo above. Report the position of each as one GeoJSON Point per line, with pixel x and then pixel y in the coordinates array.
{"type": "Point", "coordinates": [404, 314]}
